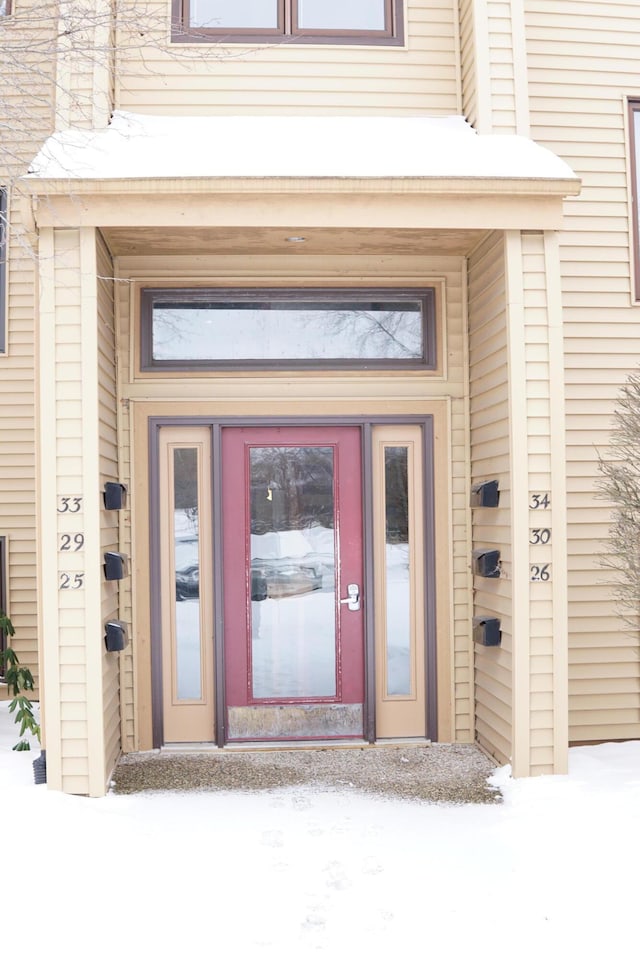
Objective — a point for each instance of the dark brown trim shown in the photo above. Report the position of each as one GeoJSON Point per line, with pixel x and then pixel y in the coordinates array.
{"type": "Point", "coordinates": [4, 573]}
{"type": "Point", "coordinates": [288, 31]}
{"type": "Point", "coordinates": [430, 620]}
{"type": "Point", "coordinates": [365, 423]}
{"type": "Point", "coordinates": [369, 586]}
{"type": "Point", "coordinates": [155, 611]}
{"type": "Point", "coordinates": [218, 585]}
{"type": "Point", "coordinates": [4, 248]}
{"type": "Point", "coordinates": [150, 295]}
{"type": "Point", "coordinates": [634, 109]}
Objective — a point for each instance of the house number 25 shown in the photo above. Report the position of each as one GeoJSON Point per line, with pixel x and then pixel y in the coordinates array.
{"type": "Point", "coordinates": [71, 581]}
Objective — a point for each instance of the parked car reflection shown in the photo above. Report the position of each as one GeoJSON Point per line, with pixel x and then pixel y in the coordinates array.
{"type": "Point", "coordinates": [270, 579]}
{"type": "Point", "coordinates": [274, 579]}
{"type": "Point", "coordinates": [188, 582]}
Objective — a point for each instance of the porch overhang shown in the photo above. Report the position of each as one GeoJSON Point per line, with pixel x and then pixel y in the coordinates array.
{"type": "Point", "coordinates": [320, 173]}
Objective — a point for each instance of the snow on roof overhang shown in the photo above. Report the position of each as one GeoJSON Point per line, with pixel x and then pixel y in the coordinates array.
{"type": "Point", "coordinates": [446, 150]}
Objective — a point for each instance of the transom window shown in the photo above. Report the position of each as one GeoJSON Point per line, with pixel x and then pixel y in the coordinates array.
{"type": "Point", "coordinates": [298, 21]}
{"type": "Point", "coordinates": [634, 124]}
{"type": "Point", "coordinates": [287, 329]}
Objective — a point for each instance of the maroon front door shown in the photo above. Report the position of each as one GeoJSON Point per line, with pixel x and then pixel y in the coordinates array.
{"type": "Point", "coordinates": [293, 573]}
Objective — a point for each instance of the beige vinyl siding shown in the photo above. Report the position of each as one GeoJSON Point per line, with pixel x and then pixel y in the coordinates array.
{"type": "Point", "coordinates": [502, 67]}
{"type": "Point", "coordinates": [108, 471]}
{"type": "Point", "coordinates": [583, 62]}
{"type": "Point", "coordinates": [26, 84]}
{"type": "Point", "coordinates": [26, 97]}
{"type": "Point", "coordinates": [382, 393]}
{"type": "Point", "coordinates": [288, 78]}
{"type": "Point", "coordinates": [468, 61]}
{"type": "Point", "coordinates": [17, 450]}
{"type": "Point", "coordinates": [513, 312]}
{"type": "Point", "coordinates": [494, 66]}
{"type": "Point", "coordinates": [491, 460]}
{"type": "Point", "coordinates": [77, 413]}
{"type": "Point", "coordinates": [69, 628]}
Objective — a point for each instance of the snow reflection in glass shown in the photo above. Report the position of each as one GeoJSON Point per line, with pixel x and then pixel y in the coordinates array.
{"type": "Point", "coordinates": [229, 14]}
{"type": "Point", "coordinates": [293, 637]}
{"type": "Point", "coordinates": [280, 331]}
{"type": "Point", "coordinates": [338, 15]}
{"type": "Point", "coordinates": [188, 665]}
{"type": "Point", "coordinates": [398, 588]}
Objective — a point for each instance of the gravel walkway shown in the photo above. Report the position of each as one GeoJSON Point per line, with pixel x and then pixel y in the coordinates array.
{"type": "Point", "coordinates": [437, 773]}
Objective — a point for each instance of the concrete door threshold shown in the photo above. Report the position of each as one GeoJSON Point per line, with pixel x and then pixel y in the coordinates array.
{"type": "Point", "coordinates": [262, 747]}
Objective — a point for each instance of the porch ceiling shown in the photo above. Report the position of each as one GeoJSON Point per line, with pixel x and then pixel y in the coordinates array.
{"type": "Point", "coordinates": [146, 241]}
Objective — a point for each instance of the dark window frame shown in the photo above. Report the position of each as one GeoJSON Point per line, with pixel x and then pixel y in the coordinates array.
{"type": "Point", "coordinates": [3, 269]}
{"type": "Point", "coordinates": [287, 30]}
{"type": "Point", "coordinates": [3, 591]}
{"type": "Point", "coordinates": [634, 143]}
{"type": "Point", "coordinates": [150, 295]}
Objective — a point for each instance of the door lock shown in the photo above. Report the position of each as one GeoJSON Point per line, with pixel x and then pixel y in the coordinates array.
{"type": "Point", "coordinates": [353, 598]}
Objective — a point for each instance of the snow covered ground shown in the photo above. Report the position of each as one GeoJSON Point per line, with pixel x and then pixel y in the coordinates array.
{"type": "Point", "coordinates": [552, 872]}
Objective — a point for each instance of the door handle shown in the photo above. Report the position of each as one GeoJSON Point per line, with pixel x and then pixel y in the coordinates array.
{"type": "Point", "coordinates": [353, 597]}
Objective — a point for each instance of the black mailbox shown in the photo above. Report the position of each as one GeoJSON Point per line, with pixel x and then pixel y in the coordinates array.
{"type": "Point", "coordinates": [115, 496]}
{"type": "Point", "coordinates": [486, 563]}
{"type": "Point", "coordinates": [115, 566]}
{"type": "Point", "coordinates": [485, 494]}
{"type": "Point", "coordinates": [116, 635]}
{"type": "Point", "coordinates": [486, 631]}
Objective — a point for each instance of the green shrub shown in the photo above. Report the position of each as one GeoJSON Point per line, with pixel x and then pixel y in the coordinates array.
{"type": "Point", "coordinates": [18, 679]}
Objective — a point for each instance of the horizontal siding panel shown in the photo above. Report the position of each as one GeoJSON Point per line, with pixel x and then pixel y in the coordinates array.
{"type": "Point", "coordinates": [295, 78]}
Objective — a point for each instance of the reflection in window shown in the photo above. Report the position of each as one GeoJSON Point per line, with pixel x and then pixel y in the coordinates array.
{"type": "Point", "coordinates": [267, 329]}
{"type": "Point", "coordinates": [338, 15]}
{"type": "Point", "coordinates": [314, 21]}
{"type": "Point", "coordinates": [293, 637]}
{"type": "Point", "coordinates": [634, 109]}
{"type": "Point", "coordinates": [231, 14]}
{"type": "Point", "coordinates": [398, 587]}
{"type": "Point", "coordinates": [187, 567]}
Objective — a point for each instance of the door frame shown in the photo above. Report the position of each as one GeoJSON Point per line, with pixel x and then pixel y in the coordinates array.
{"type": "Point", "coordinates": [365, 423]}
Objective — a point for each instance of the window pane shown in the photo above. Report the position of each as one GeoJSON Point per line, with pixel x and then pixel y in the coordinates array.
{"type": "Point", "coordinates": [3, 592]}
{"type": "Point", "coordinates": [293, 613]}
{"type": "Point", "coordinates": [280, 331]}
{"type": "Point", "coordinates": [398, 585]}
{"type": "Point", "coordinates": [234, 14]}
{"type": "Point", "coordinates": [341, 14]}
{"type": "Point", "coordinates": [188, 657]}
{"type": "Point", "coordinates": [3, 268]}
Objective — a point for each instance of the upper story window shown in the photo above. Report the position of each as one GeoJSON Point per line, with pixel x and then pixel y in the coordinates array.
{"type": "Point", "coordinates": [293, 21]}
{"type": "Point", "coordinates": [3, 269]}
{"type": "Point", "coordinates": [634, 124]}
{"type": "Point", "coordinates": [5, 8]}
{"type": "Point", "coordinates": [261, 329]}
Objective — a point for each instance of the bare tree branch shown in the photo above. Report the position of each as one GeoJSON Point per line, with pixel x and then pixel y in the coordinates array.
{"type": "Point", "coordinates": [620, 485]}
